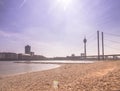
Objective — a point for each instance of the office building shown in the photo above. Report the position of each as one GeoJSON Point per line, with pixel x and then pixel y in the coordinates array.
{"type": "Point", "coordinates": [27, 49]}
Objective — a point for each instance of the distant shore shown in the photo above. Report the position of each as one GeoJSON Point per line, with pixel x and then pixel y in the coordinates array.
{"type": "Point", "coordinates": [55, 62]}
{"type": "Point", "coordinates": [98, 76]}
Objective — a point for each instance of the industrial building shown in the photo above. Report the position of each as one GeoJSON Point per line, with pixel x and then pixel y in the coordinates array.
{"type": "Point", "coordinates": [8, 56]}
{"type": "Point", "coordinates": [27, 56]}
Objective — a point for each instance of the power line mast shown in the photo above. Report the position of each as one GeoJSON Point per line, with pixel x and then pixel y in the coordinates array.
{"type": "Point", "coordinates": [98, 43]}
{"type": "Point", "coordinates": [103, 45]}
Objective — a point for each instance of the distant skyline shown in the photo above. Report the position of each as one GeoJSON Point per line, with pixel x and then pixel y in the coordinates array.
{"type": "Point", "coordinates": [58, 27]}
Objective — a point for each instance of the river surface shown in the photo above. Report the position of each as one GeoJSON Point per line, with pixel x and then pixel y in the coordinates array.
{"type": "Point", "coordinates": [19, 67]}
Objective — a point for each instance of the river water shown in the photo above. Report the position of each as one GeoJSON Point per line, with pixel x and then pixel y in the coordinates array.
{"type": "Point", "coordinates": [18, 67]}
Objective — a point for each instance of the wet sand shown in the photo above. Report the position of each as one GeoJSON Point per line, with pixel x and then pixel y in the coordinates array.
{"type": "Point", "coordinates": [98, 76]}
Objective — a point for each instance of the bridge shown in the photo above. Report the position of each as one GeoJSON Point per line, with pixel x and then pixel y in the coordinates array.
{"type": "Point", "coordinates": [105, 57]}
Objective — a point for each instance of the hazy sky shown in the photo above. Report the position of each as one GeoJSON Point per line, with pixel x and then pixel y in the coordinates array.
{"type": "Point", "coordinates": [57, 27]}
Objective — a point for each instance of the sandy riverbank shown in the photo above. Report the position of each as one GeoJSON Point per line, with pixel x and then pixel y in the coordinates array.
{"type": "Point", "coordinates": [99, 76]}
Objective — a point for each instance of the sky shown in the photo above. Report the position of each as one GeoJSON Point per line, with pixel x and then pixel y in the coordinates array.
{"type": "Point", "coordinates": [57, 27]}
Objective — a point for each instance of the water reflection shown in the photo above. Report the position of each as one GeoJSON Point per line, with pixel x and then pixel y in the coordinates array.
{"type": "Point", "coordinates": [10, 68]}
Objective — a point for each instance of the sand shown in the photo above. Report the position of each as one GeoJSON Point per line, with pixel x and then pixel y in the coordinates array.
{"type": "Point", "coordinates": [99, 76]}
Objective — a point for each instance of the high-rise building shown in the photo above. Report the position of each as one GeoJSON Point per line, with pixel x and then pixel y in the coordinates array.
{"type": "Point", "coordinates": [27, 49]}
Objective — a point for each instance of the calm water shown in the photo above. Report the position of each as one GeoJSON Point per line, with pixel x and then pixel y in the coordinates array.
{"type": "Point", "coordinates": [63, 61]}
{"type": "Point", "coordinates": [11, 67]}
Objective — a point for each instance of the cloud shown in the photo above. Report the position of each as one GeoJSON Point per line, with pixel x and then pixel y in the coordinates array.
{"type": "Point", "coordinates": [22, 4]}
{"type": "Point", "coordinates": [6, 34]}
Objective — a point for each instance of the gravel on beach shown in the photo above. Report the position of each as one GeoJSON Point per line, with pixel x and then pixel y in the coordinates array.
{"type": "Point", "coordinates": [98, 76]}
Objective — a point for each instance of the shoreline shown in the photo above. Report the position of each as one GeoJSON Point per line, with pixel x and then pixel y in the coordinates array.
{"type": "Point", "coordinates": [98, 76]}
{"type": "Point", "coordinates": [56, 62]}
{"type": "Point", "coordinates": [44, 62]}
{"type": "Point", "coordinates": [30, 71]}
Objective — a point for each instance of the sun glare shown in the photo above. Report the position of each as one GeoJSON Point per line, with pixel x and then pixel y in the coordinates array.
{"type": "Point", "coordinates": [64, 3]}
